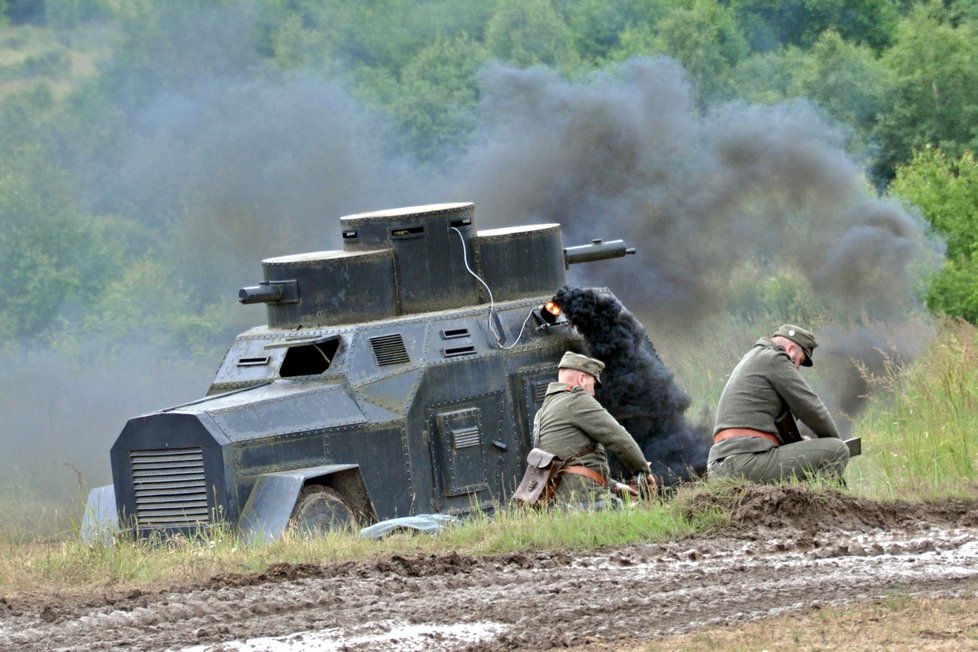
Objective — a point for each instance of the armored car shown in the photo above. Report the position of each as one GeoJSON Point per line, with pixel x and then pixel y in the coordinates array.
{"type": "Point", "coordinates": [397, 376]}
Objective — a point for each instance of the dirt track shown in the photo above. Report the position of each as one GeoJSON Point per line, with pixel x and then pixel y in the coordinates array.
{"type": "Point", "coordinates": [786, 550]}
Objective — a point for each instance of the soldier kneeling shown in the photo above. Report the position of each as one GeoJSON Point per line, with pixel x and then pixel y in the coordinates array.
{"type": "Point", "coordinates": [574, 427]}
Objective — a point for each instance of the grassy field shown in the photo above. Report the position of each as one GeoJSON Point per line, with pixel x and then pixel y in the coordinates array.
{"type": "Point", "coordinates": [59, 566]}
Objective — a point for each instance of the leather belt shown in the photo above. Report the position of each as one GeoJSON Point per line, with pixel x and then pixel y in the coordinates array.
{"type": "Point", "coordinates": [729, 433]}
{"type": "Point", "coordinates": [590, 474]}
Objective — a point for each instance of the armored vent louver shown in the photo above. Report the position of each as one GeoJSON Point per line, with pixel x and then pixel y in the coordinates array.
{"type": "Point", "coordinates": [170, 487]}
{"type": "Point", "coordinates": [389, 349]}
{"type": "Point", "coordinates": [539, 392]}
{"type": "Point", "coordinates": [465, 437]}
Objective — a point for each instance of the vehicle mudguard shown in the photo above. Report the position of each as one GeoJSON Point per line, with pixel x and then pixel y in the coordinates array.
{"type": "Point", "coordinates": [266, 515]}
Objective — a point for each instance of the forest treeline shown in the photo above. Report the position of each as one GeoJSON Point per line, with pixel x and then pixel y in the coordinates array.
{"type": "Point", "coordinates": [126, 127]}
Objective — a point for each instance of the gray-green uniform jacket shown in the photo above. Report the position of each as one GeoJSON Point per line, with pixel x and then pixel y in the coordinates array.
{"type": "Point", "coordinates": [761, 386]}
{"type": "Point", "coordinates": [570, 421]}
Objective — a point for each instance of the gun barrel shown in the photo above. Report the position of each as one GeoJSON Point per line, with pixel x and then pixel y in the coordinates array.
{"type": "Point", "coordinates": [264, 293]}
{"type": "Point", "coordinates": [597, 250]}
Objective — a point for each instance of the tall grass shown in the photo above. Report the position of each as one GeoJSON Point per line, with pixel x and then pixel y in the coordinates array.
{"type": "Point", "coordinates": [518, 530]}
{"type": "Point", "coordinates": [920, 433]}
{"type": "Point", "coordinates": [28, 516]}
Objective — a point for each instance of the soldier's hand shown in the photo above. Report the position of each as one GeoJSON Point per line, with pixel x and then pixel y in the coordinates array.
{"type": "Point", "coordinates": [620, 488]}
{"type": "Point", "coordinates": [646, 485]}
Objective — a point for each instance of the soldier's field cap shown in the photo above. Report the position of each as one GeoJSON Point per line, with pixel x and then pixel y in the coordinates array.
{"type": "Point", "coordinates": [801, 337]}
{"type": "Point", "coordinates": [583, 363]}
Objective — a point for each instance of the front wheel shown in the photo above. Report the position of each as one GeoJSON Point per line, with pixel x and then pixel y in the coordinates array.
{"type": "Point", "coordinates": [321, 509]}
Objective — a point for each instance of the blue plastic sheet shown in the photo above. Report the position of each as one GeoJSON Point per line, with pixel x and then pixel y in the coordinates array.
{"type": "Point", "coordinates": [426, 523]}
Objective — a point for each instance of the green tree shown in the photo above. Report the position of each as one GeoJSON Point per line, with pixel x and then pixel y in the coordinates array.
{"type": "Point", "coordinates": [770, 77]}
{"type": "Point", "coordinates": [954, 291]}
{"type": "Point", "coordinates": [704, 36]}
{"type": "Point", "coordinates": [376, 34]}
{"type": "Point", "coordinates": [848, 81]}
{"type": "Point", "coordinates": [964, 9]}
{"type": "Point", "coordinates": [145, 303]}
{"type": "Point", "coordinates": [597, 25]}
{"type": "Point", "coordinates": [770, 25]}
{"type": "Point", "coordinates": [438, 92]}
{"type": "Point", "coordinates": [934, 98]}
{"type": "Point", "coordinates": [51, 252]}
{"type": "Point", "coordinates": [293, 45]}
{"type": "Point", "coordinates": [845, 78]}
{"type": "Point", "coordinates": [946, 191]}
{"type": "Point", "coordinates": [530, 32]}
{"type": "Point", "coordinates": [170, 46]}
{"type": "Point", "coordinates": [701, 35]}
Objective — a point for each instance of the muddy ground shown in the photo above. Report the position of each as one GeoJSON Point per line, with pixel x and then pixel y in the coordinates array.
{"type": "Point", "coordinates": [786, 550]}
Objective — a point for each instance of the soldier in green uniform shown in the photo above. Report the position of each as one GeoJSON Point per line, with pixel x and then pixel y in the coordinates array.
{"type": "Point", "coordinates": [764, 384]}
{"type": "Point", "coordinates": [574, 426]}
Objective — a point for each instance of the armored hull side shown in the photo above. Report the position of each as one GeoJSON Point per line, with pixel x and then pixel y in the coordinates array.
{"type": "Point", "coordinates": [431, 409]}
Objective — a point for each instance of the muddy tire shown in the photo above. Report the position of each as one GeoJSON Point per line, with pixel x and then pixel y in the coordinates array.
{"type": "Point", "coordinates": [320, 510]}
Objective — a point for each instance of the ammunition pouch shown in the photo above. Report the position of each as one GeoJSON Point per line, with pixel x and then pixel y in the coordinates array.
{"type": "Point", "coordinates": [540, 479]}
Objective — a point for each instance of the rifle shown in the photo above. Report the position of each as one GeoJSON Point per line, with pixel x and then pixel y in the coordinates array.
{"type": "Point", "coordinates": [789, 433]}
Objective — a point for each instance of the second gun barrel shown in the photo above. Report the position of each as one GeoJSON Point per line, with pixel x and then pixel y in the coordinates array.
{"type": "Point", "coordinates": [597, 250]}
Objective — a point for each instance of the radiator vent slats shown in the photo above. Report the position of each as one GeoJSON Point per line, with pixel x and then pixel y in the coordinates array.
{"type": "Point", "coordinates": [170, 487]}
{"type": "Point", "coordinates": [389, 349]}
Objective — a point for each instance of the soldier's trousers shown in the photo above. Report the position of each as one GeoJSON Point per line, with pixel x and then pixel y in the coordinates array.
{"type": "Point", "coordinates": [826, 457]}
{"type": "Point", "coordinates": [576, 492]}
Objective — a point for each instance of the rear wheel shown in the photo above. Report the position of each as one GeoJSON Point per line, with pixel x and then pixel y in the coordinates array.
{"type": "Point", "coordinates": [320, 510]}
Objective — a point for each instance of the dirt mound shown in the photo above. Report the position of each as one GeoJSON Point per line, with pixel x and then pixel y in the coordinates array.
{"type": "Point", "coordinates": [275, 573]}
{"type": "Point", "coordinates": [803, 507]}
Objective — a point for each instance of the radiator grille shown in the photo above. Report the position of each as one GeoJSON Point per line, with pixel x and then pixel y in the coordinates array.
{"type": "Point", "coordinates": [170, 487]}
{"type": "Point", "coordinates": [389, 349]}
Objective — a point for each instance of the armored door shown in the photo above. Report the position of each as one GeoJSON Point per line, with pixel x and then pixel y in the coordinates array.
{"type": "Point", "coordinates": [467, 449]}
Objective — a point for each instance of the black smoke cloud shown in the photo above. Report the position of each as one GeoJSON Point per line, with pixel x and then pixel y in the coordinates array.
{"type": "Point", "coordinates": [639, 390]}
{"type": "Point", "coordinates": [627, 154]}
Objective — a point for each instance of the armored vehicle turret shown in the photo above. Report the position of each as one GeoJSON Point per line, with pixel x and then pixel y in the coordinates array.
{"type": "Point", "coordinates": [397, 376]}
